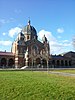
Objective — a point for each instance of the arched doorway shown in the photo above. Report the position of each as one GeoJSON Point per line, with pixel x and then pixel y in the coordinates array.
{"type": "Point", "coordinates": [53, 63]}
{"type": "Point", "coordinates": [66, 63]}
{"type": "Point", "coordinates": [30, 62]}
{"type": "Point", "coordinates": [58, 63]}
{"type": "Point", "coordinates": [38, 62]}
{"type": "Point", "coordinates": [44, 63]}
{"type": "Point", "coordinates": [3, 62]}
{"type": "Point", "coordinates": [62, 63]}
{"type": "Point", "coordinates": [11, 63]}
{"type": "Point", "coordinates": [69, 63]}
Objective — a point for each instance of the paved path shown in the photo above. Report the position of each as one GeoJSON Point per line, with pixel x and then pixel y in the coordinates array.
{"type": "Point", "coordinates": [61, 73]}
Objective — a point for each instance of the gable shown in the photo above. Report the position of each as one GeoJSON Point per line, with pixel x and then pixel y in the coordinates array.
{"type": "Point", "coordinates": [34, 42]}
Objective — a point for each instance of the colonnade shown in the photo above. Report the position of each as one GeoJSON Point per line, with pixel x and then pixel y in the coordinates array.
{"type": "Point", "coordinates": [6, 62]}
{"type": "Point", "coordinates": [57, 63]}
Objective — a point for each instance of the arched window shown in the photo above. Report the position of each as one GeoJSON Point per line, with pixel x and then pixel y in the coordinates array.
{"type": "Point", "coordinates": [69, 63]}
{"type": "Point", "coordinates": [62, 63]}
{"type": "Point", "coordinates": [11, 63]}
{"type": "Point", "coordinates": [30, 62]}
{"type": "Point", "coordinates": [3, 62]}
{"type": "Point", "coordinates": [38, 62]}
{"type": "Point", "coordinates": [58, 63]}
{"type": "Point", "coordinates": [28, 37]}
{"type": "Point", "coordinates": [34, 49]}
{"type": "Point", "coordinates": [53, 62]}
{"type": "Point", "coordinates": [44, 63]}
{"type": "Point", "coordinates": [66, 63]}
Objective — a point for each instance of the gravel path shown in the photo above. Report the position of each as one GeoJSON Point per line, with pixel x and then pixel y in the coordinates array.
{"type": "Point", "coordinates": [61, 73]}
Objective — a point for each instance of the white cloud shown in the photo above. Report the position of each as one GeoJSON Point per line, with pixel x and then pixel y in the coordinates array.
{"type": "Point", "coordinates": [4, 21]}
{"type": "Point", "coordinates": [65, 41]}
{"type": "Point", "coordinates": [5, 43]}
{"type": "Point", "coordinates": [7, 21]}
{"type": "Point", "coordinates": [60, 30]}
{"type": "Point", "coordinates": [14, 31]}
{"type": "Point", "coordinates": [48, 34]}
{"type": "Point", "coordinates": [56, 47]}
{"type": "Point", "coordinates": [4, 33]}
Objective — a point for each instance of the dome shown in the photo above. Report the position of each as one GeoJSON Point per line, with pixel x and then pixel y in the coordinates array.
{"type": "Point", "coordinates": [20, 36]}
{"type": "Point", "coordinates": [28, 29]}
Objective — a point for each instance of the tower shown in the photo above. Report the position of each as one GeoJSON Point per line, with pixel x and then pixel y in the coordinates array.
{"type": "Point", "coordinates": [29, 32]}
{"type": "Point", "coordinates": [28, 50]}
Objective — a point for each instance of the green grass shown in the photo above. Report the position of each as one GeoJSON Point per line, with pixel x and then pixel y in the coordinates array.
{"type": "Point", "coordinates": [33, 85]}
{"type": "Point", "coordinates": [72, 71]}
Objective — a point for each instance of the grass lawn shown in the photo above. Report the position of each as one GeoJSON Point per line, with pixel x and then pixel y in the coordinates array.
{"type": "Point", "coordinates": [72, 71]}
{"type": "Point", "coordinates": [33, 85]}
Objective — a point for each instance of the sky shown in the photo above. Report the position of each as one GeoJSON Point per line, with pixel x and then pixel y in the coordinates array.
{"type": "Point", "coordinates": [54, 18]}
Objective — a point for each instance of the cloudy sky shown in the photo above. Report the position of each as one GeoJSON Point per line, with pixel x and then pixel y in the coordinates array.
{"type": "Point", "coordinates": [54, 18]}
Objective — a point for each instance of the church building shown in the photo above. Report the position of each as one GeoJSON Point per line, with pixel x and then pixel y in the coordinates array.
{"type": "Point", "coordinates": [28, 50]}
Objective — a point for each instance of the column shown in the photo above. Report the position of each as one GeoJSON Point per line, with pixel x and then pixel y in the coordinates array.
{"type": "Point", "coordinates": [64, 62]}
{"type": "Point", "coordinates": [41, 63]}
{"type": "Point", "coordinates": [68, 63]}
{"type": "Point", "coordinates": [16, 62]}
{"type": "Point", "coordinates": [59, 63]}
{"type": "Point", "coordinates": [26, 62]}
{"type": "Point", "coordinates": [7, 63]}
{"type": "Point", "coordinates": [47, 64]}
{"type": "Point", "coordinates": [34, 63]}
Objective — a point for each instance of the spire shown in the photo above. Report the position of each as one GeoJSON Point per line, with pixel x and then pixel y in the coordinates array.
{"type": "Point", "coordinates": [29, 22]}
{"type": "Point", "coordinates": [44, 39]}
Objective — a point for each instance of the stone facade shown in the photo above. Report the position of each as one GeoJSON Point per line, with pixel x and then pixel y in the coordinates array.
{"type": "Point", "coordinates": [7, 60]}
{"type": "Point", "coordinates": [66, 60]}
{"type": "Point", "coordinates": [28, 50]}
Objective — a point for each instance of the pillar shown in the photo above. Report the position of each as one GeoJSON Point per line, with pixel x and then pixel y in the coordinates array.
{"type": "Point", "coordinates": [67, 62]}
{"type": "Point", "coordinates": [34, 63]}
{"type": "Point", "coordinates": [47, 64]}
{"type": "Point", "coordinates": [7, 62]}
{"type": "Point", "coordinates": [26, 62]}
{"type": "Point", "coordinates": [41, 63]}
{"type": "Point", "coordinates": [16, 62]}
{"type": "Point", "coordinates": [64, 62]}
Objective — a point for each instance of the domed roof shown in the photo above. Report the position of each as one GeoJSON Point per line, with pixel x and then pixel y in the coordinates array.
{"type": "Point", "coordinates": [28, 29]}
{"type": "Point", "coordinates": [20, 36]}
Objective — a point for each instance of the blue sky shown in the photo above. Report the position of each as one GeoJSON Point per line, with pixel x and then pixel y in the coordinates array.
{"type": "Point", "coordinates": [54, 18]}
